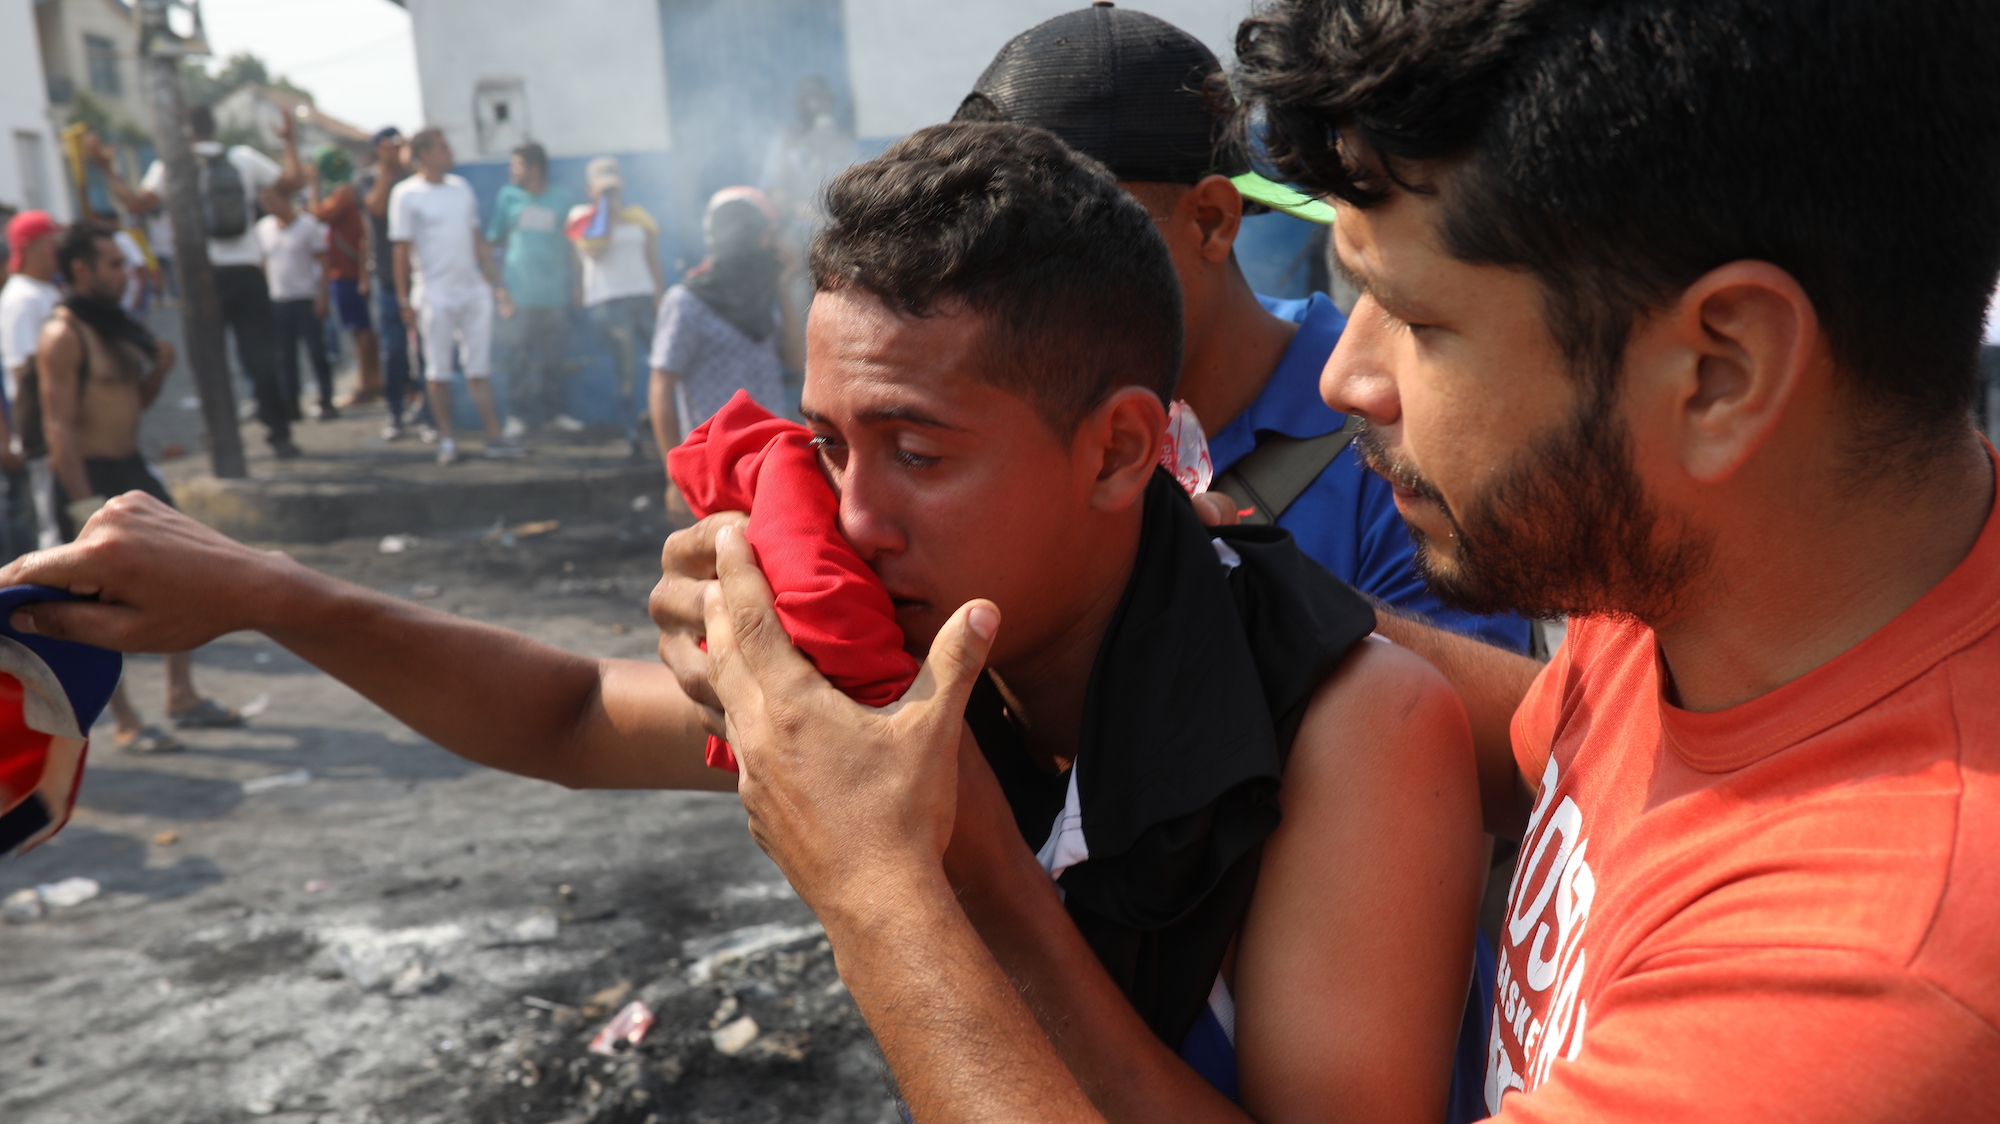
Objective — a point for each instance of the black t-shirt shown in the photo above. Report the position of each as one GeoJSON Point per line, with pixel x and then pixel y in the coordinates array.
{"type": "Point", "coordinates": [381, 255]}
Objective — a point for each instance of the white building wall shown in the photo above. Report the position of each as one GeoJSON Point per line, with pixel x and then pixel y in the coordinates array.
{"type": "Point", "coordinates": [25, 129]}
{"type": "Point", "coordinates": [592, 73]}
{"type": "Point", "coordinates": [912, 61]}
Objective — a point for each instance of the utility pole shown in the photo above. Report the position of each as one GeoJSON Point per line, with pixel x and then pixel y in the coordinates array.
{"type": "Point", "coordinates": [161, 51]}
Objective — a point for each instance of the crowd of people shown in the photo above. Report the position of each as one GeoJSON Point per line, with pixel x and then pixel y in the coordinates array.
{"type": "Point", "coordinates": [1190, 809]}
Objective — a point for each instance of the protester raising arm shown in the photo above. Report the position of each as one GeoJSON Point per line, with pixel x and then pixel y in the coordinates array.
{"type": "Point", "coordinates": [166, 583]}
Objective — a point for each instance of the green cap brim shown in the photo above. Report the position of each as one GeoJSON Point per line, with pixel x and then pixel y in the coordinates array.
{"type": "Point", "coordinates": [1278, 197]}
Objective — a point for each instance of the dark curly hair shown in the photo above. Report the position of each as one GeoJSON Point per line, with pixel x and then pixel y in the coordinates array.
{"type": "Point", "coordinates": [1619, 149]}
{"type": "Point", "coordinates": [1074, 282]}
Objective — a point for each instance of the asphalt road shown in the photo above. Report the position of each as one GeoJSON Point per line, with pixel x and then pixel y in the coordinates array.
{"type": "Point", "coordinates": [398, 935]}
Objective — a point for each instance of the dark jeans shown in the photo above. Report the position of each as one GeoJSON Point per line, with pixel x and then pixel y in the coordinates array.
{"type": "Point", "coordinates": [399, 381]}
{"type": "Point", "coordinates": [246, 310]}
{"type": "Point", "coordinates": [627, 326]}
{"type": "Point", "coordinates": [536, 340]}
{"type": "Point", "coordinates": [299, 325]}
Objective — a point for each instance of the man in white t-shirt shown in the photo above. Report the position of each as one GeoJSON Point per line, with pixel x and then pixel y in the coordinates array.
{"type": "Point", "coordinates": [27, 300]}
{"type": "Point", "coordinates": [434, 226]}
{"type": "Point", "coordinates": [294, 245]}
{"type": "Point", "coordinates": [230, 200]}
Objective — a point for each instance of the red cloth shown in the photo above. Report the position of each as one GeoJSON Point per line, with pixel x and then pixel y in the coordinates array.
{"type": "Point", "coordinates": [831, 603]}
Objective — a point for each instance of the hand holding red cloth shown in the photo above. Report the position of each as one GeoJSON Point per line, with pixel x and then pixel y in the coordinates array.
{"type": "Point", "coordinates": [831, 603]}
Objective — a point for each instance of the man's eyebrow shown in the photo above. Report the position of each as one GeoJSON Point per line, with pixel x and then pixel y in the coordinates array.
{"type": "Point", "coordinates": [907, 415]}
{"type": "Point", "coordinates": [1385, 296]}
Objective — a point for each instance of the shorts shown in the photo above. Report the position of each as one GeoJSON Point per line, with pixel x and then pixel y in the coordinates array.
{"type": "Point", "coordinates": [349, 306]}
{"type": "Point", "coordinates": [110, 476]}
{"type": "Point", "coordinates": [465, 325]}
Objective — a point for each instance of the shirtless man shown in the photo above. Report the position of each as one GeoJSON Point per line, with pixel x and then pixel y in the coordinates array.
{"type": "Point", "coordinates": [99, 369]}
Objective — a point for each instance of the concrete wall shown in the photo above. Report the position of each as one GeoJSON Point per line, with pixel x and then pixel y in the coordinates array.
{"type": "Point", "coordinates": [912, 61]}
{"type": "Point", "coordinates": [590, 74]}
{"type": "Point", "coordinates": [25, 128]}
{"type": "Point", "coordinates": [63, 25]}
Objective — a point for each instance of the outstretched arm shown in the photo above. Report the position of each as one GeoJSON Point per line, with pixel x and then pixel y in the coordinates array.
{"type": "Point", "coordinates": [166, 583]}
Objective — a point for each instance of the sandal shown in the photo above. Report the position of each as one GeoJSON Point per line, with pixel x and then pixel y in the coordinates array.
{"type": "Point", "coordinates": [149, 739]}
{"type": "Point", "coordinates": [206, 715]}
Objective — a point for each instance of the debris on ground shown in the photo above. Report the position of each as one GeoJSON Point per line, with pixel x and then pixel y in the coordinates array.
{"type": "Point", "coordinates": [23, 905]}
{"type": "Point", "coordinates": [625, 1030]}
{"type": "Point", "coordinates": [397, 544]}
{"type": "Point", "coordinates": [69, 892]}
{"type": "Point", "coordinates": [292, 779]}
{"type": "Point", "coordinates": [166, 838]}
{"type": "Point", "coordinates": [732, 1037]}
{"type": "Point", "coordinates": [261, 703]}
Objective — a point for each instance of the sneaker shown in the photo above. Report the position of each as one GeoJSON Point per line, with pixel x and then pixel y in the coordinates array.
{"type": "Point", "coordinates": [504, 450]}
{"type": "Point", "coordinates": [515, 429]}
{"type": "Point", "coordinates": [393, 432]}
{"type": "Point", "coordinates": [283, 449]}
{"type": "Point", "coordinates": [428, 434]}
{"type": "Point", "coordinates": [567, 424]}
{"type": "Point", "coordinates": [447, 452]}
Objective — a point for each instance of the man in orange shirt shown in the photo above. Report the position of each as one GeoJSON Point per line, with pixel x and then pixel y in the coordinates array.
{"type": "Point", "coordinates": [1669, 321]}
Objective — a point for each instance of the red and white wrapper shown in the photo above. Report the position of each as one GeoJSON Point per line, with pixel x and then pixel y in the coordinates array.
{"type": "Point", "coordinates": [627, 1029]}
{"type": "Point", "coordinates": [1184, 450]}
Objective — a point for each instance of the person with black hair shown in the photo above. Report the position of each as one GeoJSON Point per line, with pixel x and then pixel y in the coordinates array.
{"type": "Point", "coordinates": [535, 264]}
{"type": "Point", "coordinates": [95, 373]}
{"type": "Point", "coordinates": [1191, 773]}
{"type": "Point", "coordinates": [230, 178]}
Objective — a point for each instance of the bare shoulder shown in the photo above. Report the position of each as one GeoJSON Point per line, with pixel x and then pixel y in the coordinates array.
{"type": "Point", "coordinates": [1386, 716]}
{"type": "Point", "coordinates": [58, 334]}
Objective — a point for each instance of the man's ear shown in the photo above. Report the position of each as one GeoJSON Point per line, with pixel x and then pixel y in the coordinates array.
{"type": "Point", "coordinates": [1728, 358]}
{"type": "Point", "coordinates": [1121, 438]}
{"type": "Point", "coordinates": [1215, 208]}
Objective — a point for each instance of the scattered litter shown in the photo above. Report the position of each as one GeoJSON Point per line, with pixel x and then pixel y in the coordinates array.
{"type": "Point", "coordinates": [566, 892]}
{"type": "Point", "coordinates": [538, 929]}
{"type": "Point", "coordinates": [396, 544]}
{"type": "Point", "coordinates": [789, 1045]}
{"type": "Point", "coordinates": [277, 780]}
{"type": "Point", "coordinates": [724, 1011]}
{"type": "Point", "coordinates": [166, 838]}
{"type": "Point", "coordinates": [69, 891]}
{"type": "Point", "coordinates": [418, 977]}
{"type": "Point", "coordinates": [627, 1028]}
{"type": "Point", "coordinates": [190, 403]}
{"type": "Point", "coordinates": [641, 503]}
{"type": "Point", "coordinates": [837, 987]}
{"type": "Point", "coordinates": [262, 702]}
{"type": "Point", "coordinates": [540, 1004]}
{"type": "Point", "coordinates": [375, 959]}
{"type": "Point", "coordinates": [23, 905]}
{"type": "Point", "coordinates": [732, 1039]}
{"type": "Point", "coordinates": [605, 1001]}
{"type": "Point", "coordinates": [261, 1108]}
{"type": "Point", "coordinates": [710, 953]}
{"type": "Point", "coordinates": [318, 884]}
{"type": "Point", "coordinates": [498, 533]}
{"type": "Point", "coordinates": [530, 530]}
{"type": "Point", "coordinates": [424, 591]}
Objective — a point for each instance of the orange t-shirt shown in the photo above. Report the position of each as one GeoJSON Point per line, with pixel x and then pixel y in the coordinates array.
{"type": "Point", "coordinates": [1786, 910]}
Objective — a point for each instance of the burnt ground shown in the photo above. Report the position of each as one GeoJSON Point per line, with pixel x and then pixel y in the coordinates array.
{"type": "Point", "coordinates": [405, 936]}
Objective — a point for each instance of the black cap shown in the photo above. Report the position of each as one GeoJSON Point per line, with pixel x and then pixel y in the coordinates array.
{"type": "Point", "coordinates": [1130, 90]}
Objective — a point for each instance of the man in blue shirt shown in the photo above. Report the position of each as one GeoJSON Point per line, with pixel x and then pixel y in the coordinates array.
{"type": "Point", "coordinates": [1252, 365]}
{"type": "Point", "coordinates": [527, 222]}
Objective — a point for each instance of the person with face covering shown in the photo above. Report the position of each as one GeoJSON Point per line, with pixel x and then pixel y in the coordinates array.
{"type": "Point", "coordinates": [732, 325]}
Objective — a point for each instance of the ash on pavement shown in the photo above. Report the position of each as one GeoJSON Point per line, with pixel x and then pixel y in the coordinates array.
{"type": "Point", "coordinates": [401, 936]}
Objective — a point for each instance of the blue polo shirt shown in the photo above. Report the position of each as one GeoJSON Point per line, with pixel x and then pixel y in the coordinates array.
{"type": "Point", "coordinates": [1347, 519]}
